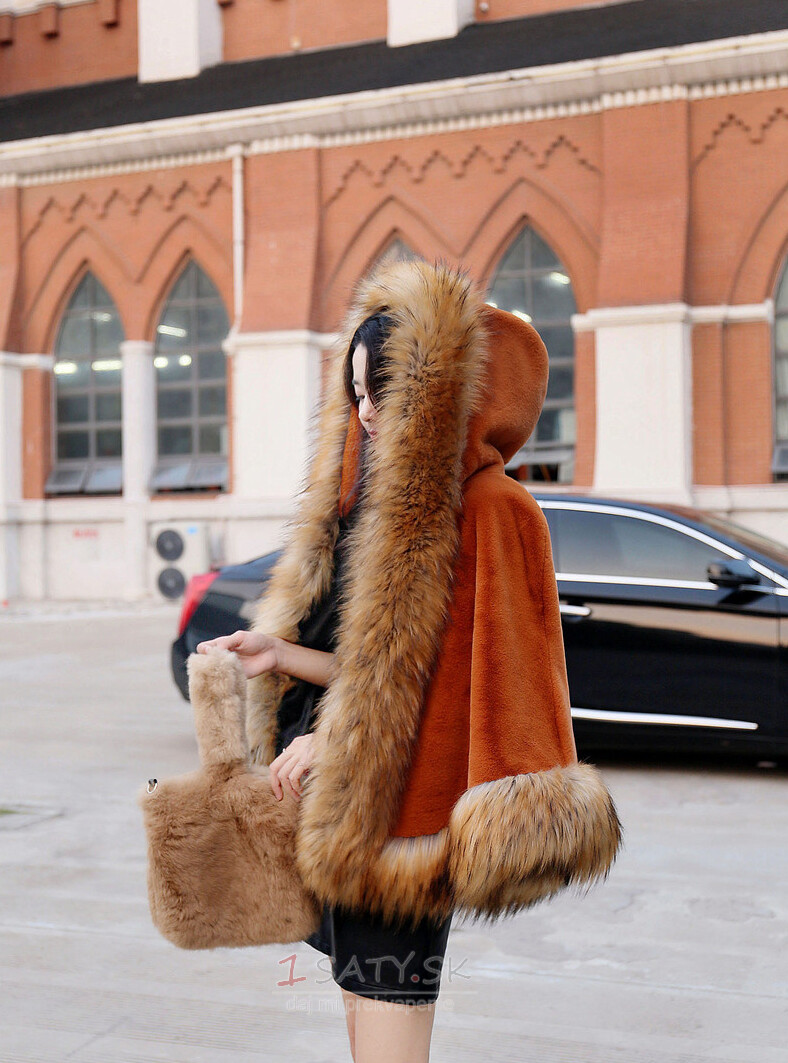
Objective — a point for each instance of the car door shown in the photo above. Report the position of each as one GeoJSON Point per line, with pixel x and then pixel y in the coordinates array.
{"type": "Point", "coordinates": [656, 653]}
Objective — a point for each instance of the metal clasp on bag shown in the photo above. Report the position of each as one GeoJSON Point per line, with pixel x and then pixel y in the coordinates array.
{"type": "Point", "coordinates": [152, 784]}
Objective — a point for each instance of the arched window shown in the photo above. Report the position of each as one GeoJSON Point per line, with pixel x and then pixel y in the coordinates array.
{"type": "Point", "coordinates": [396, 251]}
{"type": "Point", "coordinates": [191, 374]}
{"type": "Point", "coordinates": [87, 395]}
{"type": "Point", "coordinates": [532, 282]}
{"type": "Point", "coordinates": [780, 458]}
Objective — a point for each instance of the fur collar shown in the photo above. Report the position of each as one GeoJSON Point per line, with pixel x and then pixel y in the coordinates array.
{"type": "Point", "coordinates": [438, 353]}
{"type": "Point", "coordinates": [401, 556]}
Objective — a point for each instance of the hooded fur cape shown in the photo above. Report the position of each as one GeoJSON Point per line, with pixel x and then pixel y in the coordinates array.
{"type": "Point", "coordinates": [445, 774]}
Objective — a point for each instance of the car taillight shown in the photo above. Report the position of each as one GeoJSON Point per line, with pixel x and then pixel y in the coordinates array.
{"type": "Point", "coordinates": [196, 589]}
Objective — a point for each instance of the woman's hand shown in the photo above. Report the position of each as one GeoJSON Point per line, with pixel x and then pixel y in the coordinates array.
{"type": "Point", "coordinates": [291, 764]}
{"type": "Point", "coordinates": [257, 652]}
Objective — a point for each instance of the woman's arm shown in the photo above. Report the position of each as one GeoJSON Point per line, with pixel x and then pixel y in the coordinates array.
{"type": "Point", "coordinates": [315, 666]}
{"type": "Point", "coordinates": [260, 653]}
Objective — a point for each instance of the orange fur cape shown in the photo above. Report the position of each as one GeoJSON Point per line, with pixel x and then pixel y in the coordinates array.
{"type": "Point", "coordinates": [445, 775]}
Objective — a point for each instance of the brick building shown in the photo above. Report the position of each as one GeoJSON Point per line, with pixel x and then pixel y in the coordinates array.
{"type": "Point", "coordinates": [190, 190]}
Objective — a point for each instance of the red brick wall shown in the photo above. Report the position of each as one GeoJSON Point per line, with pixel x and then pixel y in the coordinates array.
{"type": "Point", "coordinates": [646, 205]}
{"type": "Point", "coordinates": [256, 28]}
{"type": "Point", "coordinates": [134, 231]}
{"type": "Point", "coordinates": [498, 9]}
{"type": "Point", "coordinates": [747, 360]}
{"type": "Point", "coordinates": [739, 217]}
{"type": "Point", "coordinates": [659, 203]}
{"type": "Point", "coordinates": [463, 197]}
{"type": "Point", "coordinates": [91, 42]}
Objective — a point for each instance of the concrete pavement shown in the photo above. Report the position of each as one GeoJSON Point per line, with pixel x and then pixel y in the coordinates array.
{"type": "Point", "coordinates": [679, 958]}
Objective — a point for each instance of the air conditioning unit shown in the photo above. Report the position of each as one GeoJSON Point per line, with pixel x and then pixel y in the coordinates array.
{"type": "Point", "coordinates": [179, 549]}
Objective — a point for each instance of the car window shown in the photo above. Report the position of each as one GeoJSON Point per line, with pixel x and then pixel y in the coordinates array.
{"type": "Point", "coordinates": [607, 544]}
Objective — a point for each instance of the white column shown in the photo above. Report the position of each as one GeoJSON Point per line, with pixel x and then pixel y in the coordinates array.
{"type": "Point", "coordinates": [236, 154]}
{"type": "Point", "coordinates": [178, 38]}
{"type": "Point", "coordinates": [643, 400]}
{"type": "Point", "coordinates": [11, 366]}
{"type": "Point", "coordinates": [411, 21]}
{"type": "Point", "coordinates": [276, 381]}
{"type": "Point", "coordinates": [10, 471]}
{"type": "Point", "coordinates": [139, 418]}
{"type": "Point", "coordinates": [139, 457]}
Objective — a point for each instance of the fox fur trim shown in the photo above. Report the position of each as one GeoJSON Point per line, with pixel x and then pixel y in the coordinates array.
{"type": "Point", "coordinates": [509, 842]}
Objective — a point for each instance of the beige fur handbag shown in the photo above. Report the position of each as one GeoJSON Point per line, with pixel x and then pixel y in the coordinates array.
{"type": "Point", "coordinates": [221, 868]}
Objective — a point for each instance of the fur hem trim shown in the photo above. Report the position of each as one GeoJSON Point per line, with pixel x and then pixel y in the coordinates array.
{"type": "Point", "coordinates": [509, 844]}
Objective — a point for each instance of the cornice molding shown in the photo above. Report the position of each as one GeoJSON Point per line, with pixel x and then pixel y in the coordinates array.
{"type": "Point", "coordinates": [277, 340]}
{"type": "Point", "coordinates": [102, 169]}
{"type": "Point", "coordinates": [772, 497]}
{"type": "Point", "coordinates": [28, 7]}
{"type": "Point", "coordinates": [26, 361]}
{"type": "Point", "coordinates": [672, 313]}
{"type": "Point", "coordinates": [113, 510]}
{"type": "Point", "coordinates": [722, 315]}
{"type": "Point", "coordinates": [143, 348]}
{"type": "Point", "coordinates": [755, 63]}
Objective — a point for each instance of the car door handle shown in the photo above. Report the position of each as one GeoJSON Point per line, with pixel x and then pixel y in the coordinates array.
{"type": "Point", "coordinates": [575, 612]}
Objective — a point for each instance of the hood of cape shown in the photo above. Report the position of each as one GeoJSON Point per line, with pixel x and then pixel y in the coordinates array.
{"type": "Point", "coordinates": [465, 387]}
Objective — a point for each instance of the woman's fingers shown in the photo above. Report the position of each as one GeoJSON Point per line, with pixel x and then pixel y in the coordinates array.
{"type": "Point", "coordinates": [276, 786]}
{"type": "Point", "coordinates": [224, 642]}
{"type": "Point", "coordinates": [295, 777]}
{"type": "Point", "coordinates": [286, 772]}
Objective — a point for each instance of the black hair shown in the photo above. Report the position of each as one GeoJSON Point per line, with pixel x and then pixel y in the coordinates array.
{"type": "Point", "coordinates": [372, 333]}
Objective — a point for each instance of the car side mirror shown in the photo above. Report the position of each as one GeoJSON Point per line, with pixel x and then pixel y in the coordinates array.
{"type": "Point", "coordinates": [733, 572]}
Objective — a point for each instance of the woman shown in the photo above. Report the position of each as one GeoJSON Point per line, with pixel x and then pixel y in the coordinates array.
{"type": "Point", "coordinates": [439, 772]}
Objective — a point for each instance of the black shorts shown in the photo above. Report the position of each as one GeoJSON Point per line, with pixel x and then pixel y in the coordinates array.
{"type": "Point", "coordinates": [374, 958]}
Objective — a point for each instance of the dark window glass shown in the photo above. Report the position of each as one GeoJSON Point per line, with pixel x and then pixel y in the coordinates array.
{"type": "Point", "coordinates": [211, 365]}
{"type": "Point", "coordinates": [531, 282]}
{"type": "Point", "coordinates": [108, 407]}
{"type": "Point", "coordinates": [211, 322]}
{"type": "Point", "coordinates": [211, 439]}
{"type": "Point", "coordinates": [73, 408]}
{"type": "Point", "coordinates": [174, 404]}
{"type": "Point", "coordinates": [212, 401]}
{"type": "Point", "coordinates": [560, 343]}
{"type": "Point", "coordinates": [74, 339]}
{"type": "Point", "coordinates": [108, 332]}
{"type": "Point", "coordinates": [173, 367]}
{"type": "Point", "coordinates": [175, 329]}
{"type": "Point", "coordinates": [191, 329]}
{"type": "Point", "coordinates": [560, 383]}
{"type": "Point", "coordinates": [606, 544]}
{"type": "Point", "coordinates": [88, 387]}
{"type": "Point", "coordinates": [106, 372]}
{"type": "Point", "coordinates": [73, 444]}
{"type": "Point", "coordinates": [556, 425]}
{"type": "Point", "coordinates": [175, 440]}
{"type": "Point", "coordinates": [108, 442]}
{"type": "Point", "coordinates": [72, 375]}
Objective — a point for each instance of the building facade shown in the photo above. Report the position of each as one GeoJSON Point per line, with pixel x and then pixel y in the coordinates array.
{"type": "Point", "coordinates": [189, 192]}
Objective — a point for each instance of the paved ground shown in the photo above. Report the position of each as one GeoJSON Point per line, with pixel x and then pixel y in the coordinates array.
{"type": "Point", "coordinates": [679, 958]}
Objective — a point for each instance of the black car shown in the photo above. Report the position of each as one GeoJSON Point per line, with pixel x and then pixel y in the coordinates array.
{"type": "Point", "coordinates": [675, 625]}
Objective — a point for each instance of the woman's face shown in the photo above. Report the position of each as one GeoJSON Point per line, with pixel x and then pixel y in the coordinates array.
{"type": "Point", "coordinates": [367, 413]}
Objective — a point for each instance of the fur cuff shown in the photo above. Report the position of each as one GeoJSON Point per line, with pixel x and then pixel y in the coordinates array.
{"type": "Point", "coordinates": [519, 840]}
{"type": "Point", "coordinates": [509, 843]}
